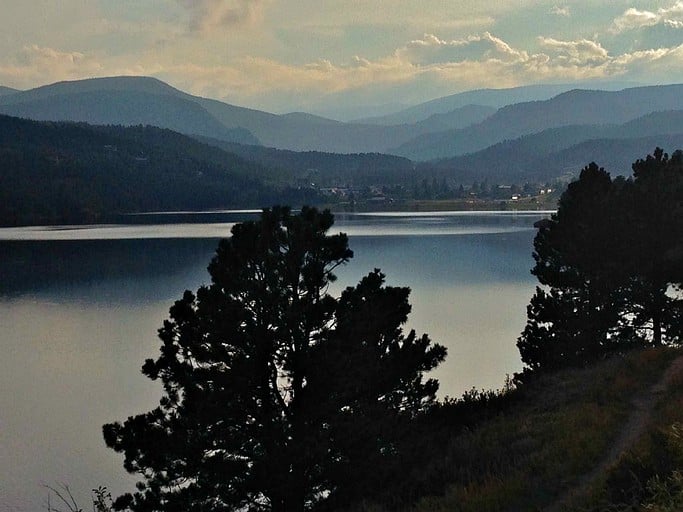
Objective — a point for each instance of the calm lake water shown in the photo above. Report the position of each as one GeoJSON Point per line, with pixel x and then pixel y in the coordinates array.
{"type": "Point", "coordinates": [79, 310]}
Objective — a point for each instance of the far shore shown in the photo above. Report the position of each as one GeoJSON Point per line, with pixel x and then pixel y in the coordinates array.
{"type": "Point", "coordinates": [533, 203]}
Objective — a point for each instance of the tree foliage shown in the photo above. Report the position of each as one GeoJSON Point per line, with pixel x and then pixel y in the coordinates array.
{"type": "Point", "coordinates": [277, 395]}
{"type": "Point", "coordinates": [610, 261]}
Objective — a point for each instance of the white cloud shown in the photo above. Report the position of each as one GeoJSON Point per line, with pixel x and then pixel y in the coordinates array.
{"type": "Point", "coordinates": [634, 18]}
{"type": "Point", "coordinates": [575, 53]}
{"type": "Point", "coordinates": [477, 61]}
{"type": "Point", "coordinates": [437, 64]}
{"type": "Point", "coordinates": [561, 11]}
{"type": "Point", "coordinates": [432, 50]}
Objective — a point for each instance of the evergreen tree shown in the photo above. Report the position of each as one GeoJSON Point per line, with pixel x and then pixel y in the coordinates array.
{"type": "Point", "coordinates": [657, 244]}
{"type": "Point", "coordinates": [609, 260]}
{"type": "Point", "coordinates": [277, 395]}
{"type": "Point", "coordinates": [574, 252]}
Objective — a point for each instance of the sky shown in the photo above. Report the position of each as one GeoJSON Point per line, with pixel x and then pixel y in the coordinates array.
{"type": "Point", "coordinates": [326, 55]}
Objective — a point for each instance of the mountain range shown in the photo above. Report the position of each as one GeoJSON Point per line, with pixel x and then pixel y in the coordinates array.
{"type": "Point", "coordinates": [7, 90]}
{"type": "Point", "coordinates": [465, 137]}
{"type": "Point", "coordinates": [574, 107]}
{"type": "Point", "coordinates": [142, 100]}
{"type": "Point", "coordinates": [492, 98]}
{"type": "Point", "coordinates": [563, 151]}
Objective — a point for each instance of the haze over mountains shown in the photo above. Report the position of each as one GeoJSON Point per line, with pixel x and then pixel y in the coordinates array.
{"type": "Point", "coordinates": [553, 135]}
{"type": "Point", "coordinates": [141, 100]}
{"type": "Point", "coordinates": [574, 107]}
{"type": "Point", "coordinates": [492, 98]}
{"type": "Point", "coordinates": [562, 152]}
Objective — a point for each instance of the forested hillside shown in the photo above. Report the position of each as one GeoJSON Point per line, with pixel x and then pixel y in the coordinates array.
{"type": "Point", "coordinates": [326, 169]}
{"type": "Point", "coordinates": [67, 172]}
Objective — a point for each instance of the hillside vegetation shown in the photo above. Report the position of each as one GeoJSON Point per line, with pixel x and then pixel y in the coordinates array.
{"type": "Point", "coordinates": [65, 172]}
{"type": "Point", "coordinates": [534, 445]}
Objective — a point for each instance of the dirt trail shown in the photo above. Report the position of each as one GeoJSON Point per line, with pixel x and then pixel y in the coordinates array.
{"type": "Point", "coordinates": [637, 423]}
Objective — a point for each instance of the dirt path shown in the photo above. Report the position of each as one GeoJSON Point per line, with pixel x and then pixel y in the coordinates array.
{"type": "Point", "coordinates": [635, 427]}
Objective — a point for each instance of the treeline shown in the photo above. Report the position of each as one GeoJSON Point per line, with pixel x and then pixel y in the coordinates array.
{"type": "Point", "coordinates": [68, 172]}
{"type": "Point", "coordinates": [611, 263]}
{"type": "Point", "coordinates": [393, 176]}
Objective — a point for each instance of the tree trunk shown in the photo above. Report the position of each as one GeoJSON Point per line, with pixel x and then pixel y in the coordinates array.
{"type": "Point", "coordinates": [657, 329]}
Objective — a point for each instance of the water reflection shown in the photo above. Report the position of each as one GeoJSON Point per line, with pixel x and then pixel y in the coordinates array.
{"type": "Point", "coordinates": [218, 225]}
{"type": "Point", "coordinates": [129, 271]}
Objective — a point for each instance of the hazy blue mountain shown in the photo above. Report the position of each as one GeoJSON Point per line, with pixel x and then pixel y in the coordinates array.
{"type": "Point", "coordinates": [141, 100]}
{"type": "Point", "coordinates": [306, 132]}
{"type": "Point", "coordinates": [121, 107]}
{"type": "Point", "coordinates": [557, 151]}
{"type": "Point", "coordinates": [350, 112]}
{"type": "Point", "coordinates": [653, 124]}
{"type": "Point", "coordinates": [459, 118]}
{"type": "Point", "coordinates": [174, 109]}
{"type": "Point", "coordinates": [574, 107]}
{"type": "Point", "coordinates": [615, 155]}
{"type": "Point", "coordinates": [494, 98]}
{"type": "Point", "coordinates": [120, 100]}
{"type": "Point", "coordinates": [116, 83]}
{"type": "Point", "coordinates": [5, 91]}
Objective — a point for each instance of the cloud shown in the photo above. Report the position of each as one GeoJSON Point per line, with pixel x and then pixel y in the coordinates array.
{"type": "Point", "coordinates": [421, 69]}
{"type": "Point", "coordinates": [35, 63]}
{"type": "Point", "coordinates": [633, 18]}
{"type": "Point", "coordinates": [432, 50]}
{"type": "Point", "coordinates": [656, 63]}
{"type": "Point", "coordinates": [477, 61]}
{"type": "Point", "coordinates": [575, 53]}
{"type": "Point", "coordinates": [561, 11]}
{"type": "Point", "coordinates": [429, 63]}
{"type": "Point", "coordinates": [209, 15]}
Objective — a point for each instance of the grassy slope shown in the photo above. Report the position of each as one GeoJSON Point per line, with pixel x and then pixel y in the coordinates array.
{"type": "Point", "coordinates": [557, 429]}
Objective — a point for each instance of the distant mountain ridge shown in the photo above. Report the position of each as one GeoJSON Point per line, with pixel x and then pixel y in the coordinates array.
{"type": "Point", "coordinates": [297, 131]}
{"type": "Point", "coordinates": [126, 108]}
{"type": "Point", "coordinates": [574, 107]}
{"type": "Point", "coordinates": [103, 101]}
{"type": "Point", "coordinates": [143, 84]}
{"type": "Point", "coordinates": [492, 98]}
{"type": "Point", "coordinates": [565, 150]}
{"type": "Point", "coordinates": [511, 140]}
{"type": "Point", "coordinates": [306, 132]}
{"type": "Point", "coordinates": [5, 91]}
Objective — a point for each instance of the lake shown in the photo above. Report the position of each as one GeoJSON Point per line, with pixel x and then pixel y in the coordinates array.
{"type": "Point", "coordinates": [79, 310]}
